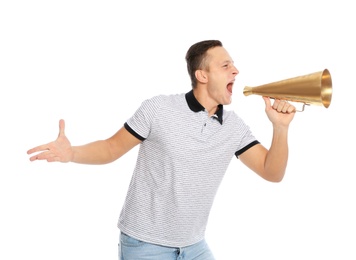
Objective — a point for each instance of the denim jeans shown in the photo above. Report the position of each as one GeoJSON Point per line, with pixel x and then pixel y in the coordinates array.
{"type": "Point", "coordinates": [133, 249]}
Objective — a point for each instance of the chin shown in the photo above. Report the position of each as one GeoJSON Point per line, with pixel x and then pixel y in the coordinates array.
{"type": "Point", "coordinates": [227, 102]}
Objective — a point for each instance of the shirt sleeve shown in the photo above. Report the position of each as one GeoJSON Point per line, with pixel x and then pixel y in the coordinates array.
{"type": "Point", "coordinates": [244, 149]}
{"type": "Point", "coordinates": [140, 123]}
{"type": "Point", "coordinates": [248, 140]}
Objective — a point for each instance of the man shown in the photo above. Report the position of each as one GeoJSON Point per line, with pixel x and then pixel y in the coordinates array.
{"type": "Point", "coordinates": [186, 144]}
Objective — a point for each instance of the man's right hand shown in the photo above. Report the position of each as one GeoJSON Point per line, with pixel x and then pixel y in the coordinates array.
{"type": "Point", "coordinates": [59, 150]}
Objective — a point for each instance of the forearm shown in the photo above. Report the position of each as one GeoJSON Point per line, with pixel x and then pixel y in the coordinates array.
{"type": "Point", "coordinates": [277, 156]}
{"type": "Point", "coordinates": [97, 152]}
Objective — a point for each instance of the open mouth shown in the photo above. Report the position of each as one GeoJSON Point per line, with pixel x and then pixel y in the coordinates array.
{"type": "Point", "coordinates": [229, 87]}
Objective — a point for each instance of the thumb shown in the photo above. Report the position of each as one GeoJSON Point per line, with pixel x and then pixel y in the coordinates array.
{"type": "Point", "coordinates": [267, 101]}
{"type": "Point", "coordinates": [61, 127]}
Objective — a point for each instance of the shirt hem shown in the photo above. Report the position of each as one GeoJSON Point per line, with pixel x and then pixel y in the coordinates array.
{"type": "Point", "coordinates": [165, 243]}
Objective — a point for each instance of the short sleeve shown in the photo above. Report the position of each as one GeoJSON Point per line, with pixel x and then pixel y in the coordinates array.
{"type": "Point", "coordinates": [140, 123]}
{"type": "Point", "coordinates": [248, 140]}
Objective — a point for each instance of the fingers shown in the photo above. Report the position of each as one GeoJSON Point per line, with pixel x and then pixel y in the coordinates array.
{"type": "Point", "coordinates": [39, 156]}
{"type": "Point", "coordinates": [283, 106]}
{"type": "Point", "coordinates": [39, 148]}
{"type": "Point", "coordinates": [47, 155]}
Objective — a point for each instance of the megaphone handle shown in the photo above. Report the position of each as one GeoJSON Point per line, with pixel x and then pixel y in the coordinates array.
{"type": "Point", "coordinates": [304, 104]}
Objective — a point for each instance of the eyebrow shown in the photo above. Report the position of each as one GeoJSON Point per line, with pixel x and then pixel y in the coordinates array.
{"type": "Point", "coordinates": [228, 61]}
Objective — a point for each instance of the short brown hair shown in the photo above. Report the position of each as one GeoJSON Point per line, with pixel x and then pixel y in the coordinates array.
{"type": "Point", "coordinates": [196, 55]}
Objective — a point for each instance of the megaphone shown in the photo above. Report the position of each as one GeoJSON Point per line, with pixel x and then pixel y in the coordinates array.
{"type": "Point", "coordinates": [310, 89]}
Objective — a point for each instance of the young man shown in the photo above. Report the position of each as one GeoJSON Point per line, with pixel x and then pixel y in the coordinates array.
{"type": "Point", "coordinates": [186, 144]}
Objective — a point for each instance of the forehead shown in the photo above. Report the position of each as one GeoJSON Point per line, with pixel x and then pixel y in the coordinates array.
{"type": "Point", "coordinates": [218, 55]}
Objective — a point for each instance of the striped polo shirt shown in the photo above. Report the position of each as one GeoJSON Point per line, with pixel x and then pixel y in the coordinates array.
{"type": "Point", "coordinates": [181, 161]}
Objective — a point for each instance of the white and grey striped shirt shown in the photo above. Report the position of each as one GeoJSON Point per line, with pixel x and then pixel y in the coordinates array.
{"type": "Point", "coordinates": [181, 162]}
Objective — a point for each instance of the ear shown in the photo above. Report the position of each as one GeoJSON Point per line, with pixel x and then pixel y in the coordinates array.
{"type": "Point", "coordinates": [201, 76]}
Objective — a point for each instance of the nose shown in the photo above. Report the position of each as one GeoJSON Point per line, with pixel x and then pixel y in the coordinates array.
{"type": "Point", "coordinates": [235, 71]}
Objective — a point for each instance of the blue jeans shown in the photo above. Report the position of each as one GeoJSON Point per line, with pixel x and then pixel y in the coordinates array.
{"type": "Point", "coordinates": [133, 249]}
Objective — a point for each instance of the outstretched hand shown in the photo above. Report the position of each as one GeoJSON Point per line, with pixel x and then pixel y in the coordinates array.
{"type": "Point", "coordinates": [281, 112]}
{"type": "Point", "coordinates": [59, 150]}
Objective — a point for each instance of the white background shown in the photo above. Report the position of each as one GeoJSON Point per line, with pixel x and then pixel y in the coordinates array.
{"type": "Point", "coordinates": [93, 62]}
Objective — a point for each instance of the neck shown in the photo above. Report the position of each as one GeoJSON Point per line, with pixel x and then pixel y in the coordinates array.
{"type": "Point", "coordinates": [203, 98]}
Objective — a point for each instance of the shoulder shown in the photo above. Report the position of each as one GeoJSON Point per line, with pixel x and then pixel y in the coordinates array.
{"type": "Point", "coordinates": [163, 100]}
{"type": "Point", "coordinates": [233, 121]}
{"type": "Point", "coordinates": [167, 97]}
{"type": "Point", "coordinates": [231, 116]}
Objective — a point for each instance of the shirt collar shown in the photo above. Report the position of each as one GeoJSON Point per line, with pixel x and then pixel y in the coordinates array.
{"type": "Point", "coordinates": [195, 106]}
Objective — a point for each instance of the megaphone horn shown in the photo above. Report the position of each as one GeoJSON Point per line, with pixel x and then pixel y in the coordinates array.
{"type": "Point", "coordinates": [310, 89]}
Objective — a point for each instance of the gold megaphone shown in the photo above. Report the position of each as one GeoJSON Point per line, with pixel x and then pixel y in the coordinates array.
{"type": "Point", "coordinates": [314, 88]}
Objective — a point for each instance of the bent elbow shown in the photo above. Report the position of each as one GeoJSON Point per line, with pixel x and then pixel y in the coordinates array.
{"type": "Point", "coordinates": [276, 178]}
